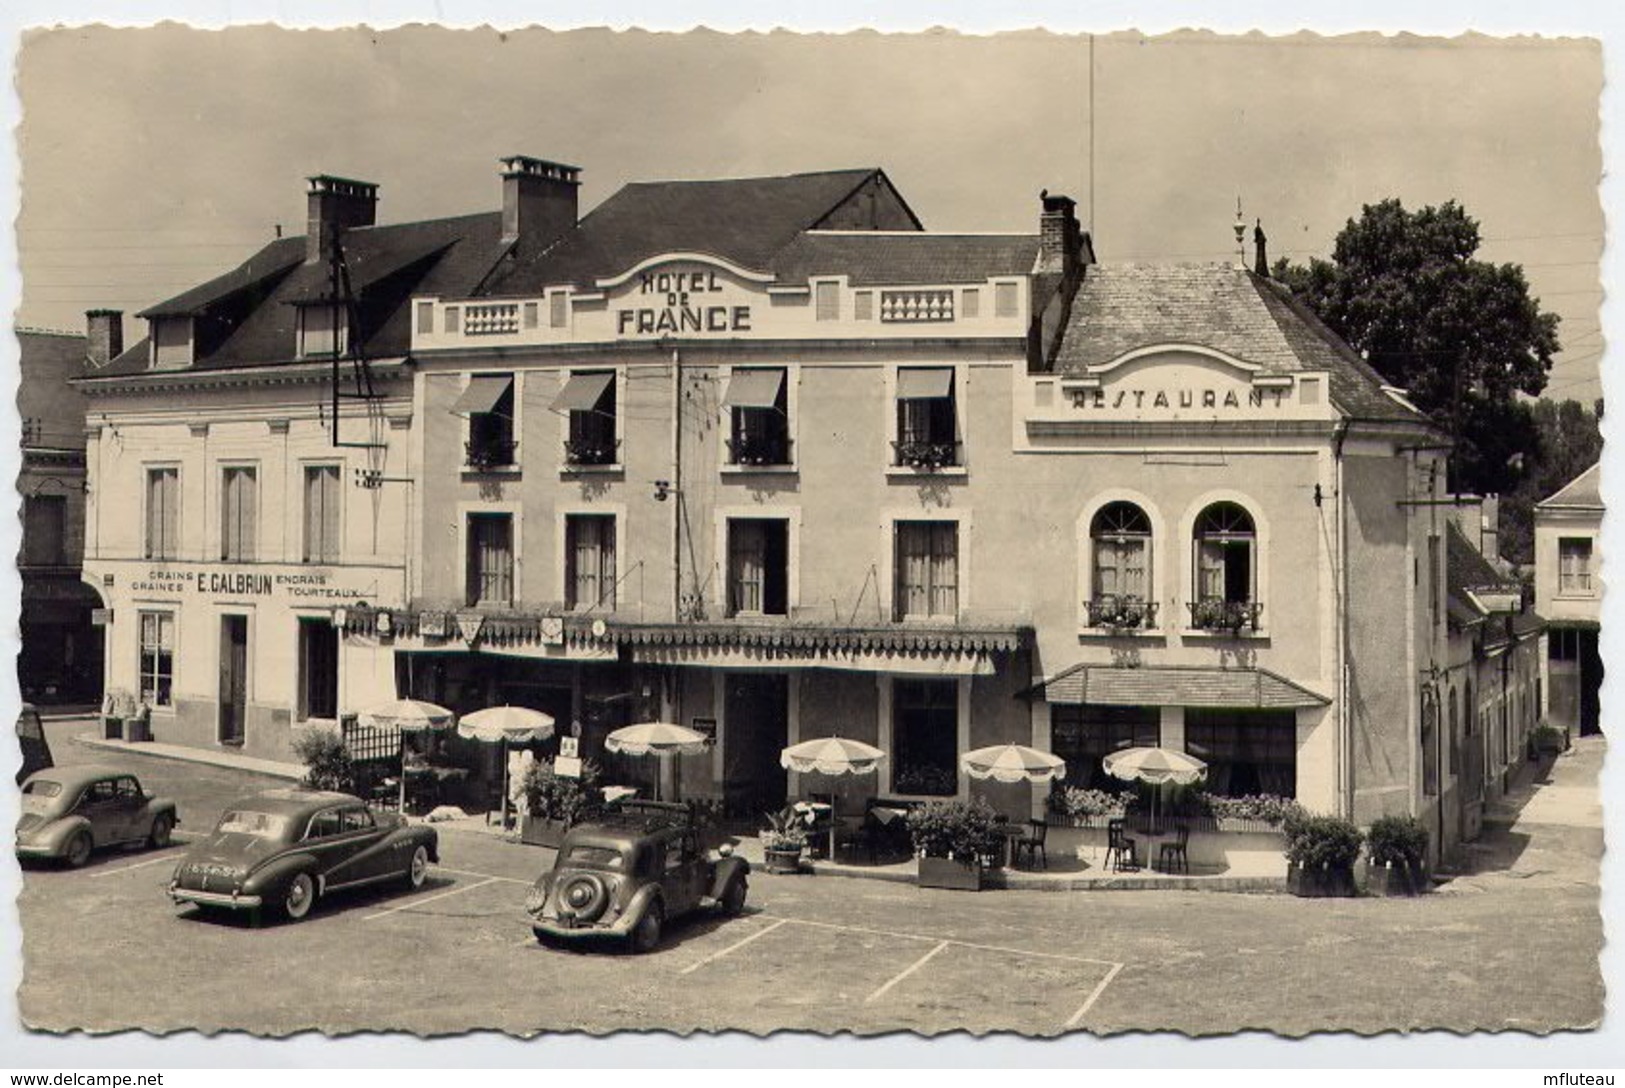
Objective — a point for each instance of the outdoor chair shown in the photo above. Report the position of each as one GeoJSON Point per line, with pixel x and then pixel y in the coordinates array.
{"type": "Point", "coordinates": [818, 830]}
{"type": "Point", "coordinates": [1032, 844]}
{"type": "Point", "coordinates": [1176, 853]}
{"type": "Point", "coordinates": [853, 834]}
{"type": "Point", "coordinates": [1120, 849]}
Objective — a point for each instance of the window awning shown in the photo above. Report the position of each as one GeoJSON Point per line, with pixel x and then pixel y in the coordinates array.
{"type": "Point", "coordinates": [925, 383]}
{"type": "Point", "coordinates": [1112, 685]}
{"type": "Point", "coordinates": [482, 394]}
{"type": "Point", "coordinates": [754, 389]}
{"type": "Point", "coordinates": [582, 392]}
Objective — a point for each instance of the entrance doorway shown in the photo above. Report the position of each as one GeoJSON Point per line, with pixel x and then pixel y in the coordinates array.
{"type": "Point", "coordinates": [318, 669]}
{"type": "Point", "coordinates": [233, 678]}
{"type": "Point", "coordinates": [756, 728]}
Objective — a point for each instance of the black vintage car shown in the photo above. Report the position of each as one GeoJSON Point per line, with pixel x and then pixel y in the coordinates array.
{"type": "Point", "coordinates": [628, 873]}
{"type": "Point", "coordinates": [285, 848]}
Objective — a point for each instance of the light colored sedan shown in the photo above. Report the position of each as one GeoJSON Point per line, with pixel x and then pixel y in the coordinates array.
{"type": "Point", "coordinates": [70, 811]}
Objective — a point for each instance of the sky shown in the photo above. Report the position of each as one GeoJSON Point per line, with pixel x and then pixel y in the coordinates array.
{"type": "Point", "coordinates": [152, 159]}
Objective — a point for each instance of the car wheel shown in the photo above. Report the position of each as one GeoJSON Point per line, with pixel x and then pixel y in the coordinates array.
{"type": "Point", "coordinates": [78, 850]}
{"type": "Point", "coordinates": [733, 897]}
{"type": "Point", "coordinates": [418, 871]}
{"type": "Point", "coordinates": [159, 837]}
{"type": "Point", "coordinates": [646, 936]}
{"type": "Point", "coordinates": [301, 893]}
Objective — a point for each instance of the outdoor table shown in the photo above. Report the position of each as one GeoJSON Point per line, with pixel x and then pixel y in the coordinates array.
{"type": "Point", "coordinates": [618, 793]}
{"type": "Point", "coordinates": [1010, 832]}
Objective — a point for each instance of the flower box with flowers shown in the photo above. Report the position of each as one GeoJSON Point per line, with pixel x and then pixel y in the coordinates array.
{"type": "Point", "coordinates": [1216, 614]}
{"type": "Point", "coordinates": [1121, 611]}
{"type": "Point", "coordinates": [954, 841]}
{"type": "Point", "coordinates": [783, 840]}
{"type": "Point", "coordinates": [926, 455]}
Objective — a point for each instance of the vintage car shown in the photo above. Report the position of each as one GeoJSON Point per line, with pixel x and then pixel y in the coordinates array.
{"type": "Point", "coordinates": [70, 811]}
{"type": "Point", "coordinates": [628, 873]}
{"type": "Point", "coordinates": [285, 848]}
{"type": "Point", "coordinates": [31, 739]}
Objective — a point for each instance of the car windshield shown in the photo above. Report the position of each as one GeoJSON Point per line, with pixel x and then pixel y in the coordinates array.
{"type": "Point", "coordinates": [605, 856]}
{"type": "Point", "coordinates": [42, 787]}
{"type": "Point", "coordinates": [261, 824]}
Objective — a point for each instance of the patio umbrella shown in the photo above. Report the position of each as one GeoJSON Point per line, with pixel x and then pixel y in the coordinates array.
{"type": "Point", "coordinates": [1012, 763]}
{"type": "Point", "coordinates": [1157, 766]}
{"type": "Point", "coordinates": [501, 725]}
{"type": "Point", "coordinates": [831, 756]}
{"type": "Point", "coordinates": [660, 739]}
{"type": "Point", "coordinates": [401, 715]}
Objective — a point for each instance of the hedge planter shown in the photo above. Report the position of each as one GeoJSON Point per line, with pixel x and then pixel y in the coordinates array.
{"type": "Point", "coordinates": [950, 873]}
{"type": "Point", "coordinates": [1396, 880]}
{"type": "Point", "coordinates": [536, 831]}
{"type": "Point", "coordinates": [112, 728]}
{"type": "Point", "coordinates": [1337, 882]}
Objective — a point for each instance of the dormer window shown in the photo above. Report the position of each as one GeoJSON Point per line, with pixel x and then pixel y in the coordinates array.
{"type": "Point", "coordinates": [171, 342]}
{"type": "Point", "coordinates": [323, 331]}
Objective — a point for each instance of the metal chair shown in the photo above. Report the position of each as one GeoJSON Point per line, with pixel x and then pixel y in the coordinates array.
{"type": "Point", "coordinates": [1032, 844]}
{"type": "Point", "coordinates": [1177, 852]}
{"type": "Point", "coordinates": [1121, 855]}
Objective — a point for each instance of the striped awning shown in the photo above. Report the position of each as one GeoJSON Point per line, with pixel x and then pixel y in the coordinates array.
{"type": "Point", "coordinates": [482, 394]}
{"type": "Point", "coordinates": [582, 392]}
{"type": "Point", "coordinates": [1110, 685]}
{"type": "Point", "coordinates": [754, 388]}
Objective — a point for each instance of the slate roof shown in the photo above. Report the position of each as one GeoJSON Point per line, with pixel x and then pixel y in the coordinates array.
{"type": "Point", "coordinates": [1584, 491]}
{"type": "Point", "coordinates": [1121, 307]}
{"type": "Point", "coordinates": [869, 258]}
{"type": "Point", "coordinates": [744, 220]}
{"type": "Point", "coordinates": [1466, 568]}
{"type": "Point", "coordinates": [387, 265]}
{"type": "Point", "coordinates": [1176, 685]}
{"type": "Point", "coordinates": [47, 360]}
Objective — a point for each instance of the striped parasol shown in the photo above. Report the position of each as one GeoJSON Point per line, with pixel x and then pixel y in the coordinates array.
{"type": "Point", "coordinates": [1012, 763]}
{"type": "Point", "coordinates": [831, 755]}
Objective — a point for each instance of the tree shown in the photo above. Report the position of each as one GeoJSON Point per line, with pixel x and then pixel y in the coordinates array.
{"type": "Point", "coordinates": [1462, 336]}
{"type": "Point", "coordinates": [1567, 441]}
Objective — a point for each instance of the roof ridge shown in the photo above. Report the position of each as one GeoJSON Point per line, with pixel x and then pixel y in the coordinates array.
{"type": "Point", "coordinates": [37, 331]}
{"type": "Point", "coordinates": [863, 170]}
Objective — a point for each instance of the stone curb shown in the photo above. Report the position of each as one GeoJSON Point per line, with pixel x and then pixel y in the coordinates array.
{"type": "Point", "coordinates": [271, 768]}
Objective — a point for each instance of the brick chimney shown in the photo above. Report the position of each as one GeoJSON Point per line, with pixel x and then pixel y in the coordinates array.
{"type": "Point", "coordinates": [336, 204]}
{"type": "Point", "coordinates": [1060, 239]}
{"type": "Point", "coordinates": [104, 336]}
{"type": "Point", "coordinates": [538, 199]}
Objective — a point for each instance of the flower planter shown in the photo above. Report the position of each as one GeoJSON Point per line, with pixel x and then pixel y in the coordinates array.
{"type": "Point", "coordinates": [537, 831]}
{"type": "Point", "coordinates": [950, 873]}
{"type": "Point", "coordinates": [112, 728]}
{"type": "Point", "coordinates": [1320, 883]}
{"type": "Point", "coordinates": [782, 859]}
{"type": "Point", "coordinates": [1396, 880]}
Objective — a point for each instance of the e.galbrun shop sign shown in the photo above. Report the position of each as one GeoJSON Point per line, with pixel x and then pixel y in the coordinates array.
{"type": "Point", "coordinates": [298, 586]}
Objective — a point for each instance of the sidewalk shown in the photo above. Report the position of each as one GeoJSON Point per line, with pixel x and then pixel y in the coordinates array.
{"type": "Point", "coordinates": [212, 757]}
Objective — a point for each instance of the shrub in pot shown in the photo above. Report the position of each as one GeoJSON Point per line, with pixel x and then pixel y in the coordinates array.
{"type": "Point", "coordinates": [1320, 854]}
{"type": "Point", "coordinates": [552, 803]}
{"type": "Point", "coordinates": [1397, 849]}
{"type": "Point", "coordinates": [783, 840]}
{"type": "Point", "coordinates": [953, 841]}
{"type": "Point", "coordinates": [327, 760]}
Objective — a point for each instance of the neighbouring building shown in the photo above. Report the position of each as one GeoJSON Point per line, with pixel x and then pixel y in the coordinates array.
{"type": "Point", "coordinates": [1568, 592]}
{"type": "Point", "coordinates": [766, 457]}
{"type": "Point", "coordinates": [61, 657]}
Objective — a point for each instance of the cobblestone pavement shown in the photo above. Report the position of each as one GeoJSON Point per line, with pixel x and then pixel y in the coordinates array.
{"type": "Point", "coordinates": [1513, 945]}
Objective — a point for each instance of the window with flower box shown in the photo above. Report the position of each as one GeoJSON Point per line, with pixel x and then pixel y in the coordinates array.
{"type": "Point", "coordinates": [758, 404]}
{"type": "Point", "coordinates": [1225, 568]}
{"type": "Point", "coordinates": [1247, 752]}
{"type": "Point", "coordinates": [927, 418]}
{"type": "Point", "coordinates": [1120, 555]}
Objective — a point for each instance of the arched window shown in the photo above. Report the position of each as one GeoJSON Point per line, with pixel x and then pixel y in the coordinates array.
{"type": "Point", "coordinates": [1455, 736]}
{"type": "Point", "coordinates": [1120, 549]}
{"type": "Point", "coordinates": [1225, 567]}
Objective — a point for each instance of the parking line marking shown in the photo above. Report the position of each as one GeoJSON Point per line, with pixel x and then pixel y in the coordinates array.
{"type": "Point", "coordinates": [1094, 994]}
{"type": "Point", "coordinates": [432, 898]}
{"type": "Point", "coordinates": [917, 964]}
{"type": "Point", "coordinates": [488, 876]}
{"type": "Point", "coordinates": [733, 947]}
{"type": "Point", "coordinates": [962, 944]}
{"type": "Point", "coordinates": [137, 865]}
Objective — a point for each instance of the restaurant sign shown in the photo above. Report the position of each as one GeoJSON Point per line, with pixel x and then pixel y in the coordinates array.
{"type": "Point", "coordinates": [293, 585]}
{"type": "Point", "coordinates": [681, 298]}
{"type": "Point", "coordinates": [1189, 387]}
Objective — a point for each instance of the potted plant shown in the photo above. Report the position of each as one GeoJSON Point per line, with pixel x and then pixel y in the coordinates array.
{"type": "Point", "coordinates": [118, 705]}
{"type": "Point", "coordinates": [551, 803]}
{"type": "Point", "coordinates": [1320, 854]}
{"type": "Point", "coordinates": [953, 841]}
{"type": "Point", "coordinates": [1549, 739]}
{"type": "Point", "coordinates": [1397, 851]}
{"type": "Point", "coordinates": [784, 839]}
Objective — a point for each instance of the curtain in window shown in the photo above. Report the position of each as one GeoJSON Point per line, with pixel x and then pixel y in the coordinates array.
{"type": "Point", "coordinates": [238, 510]}
{"type": "Point", "coordinates": [927, 569]}
{"type": "Point", "coordinates": [163, 512]}
{"type": "Point", "coordinates": [747, 542]}
{"type": "Point", "coordinates": [157, 657]}
{"type": "Point", "coordinates": [321, 514]}
{"type": "Point", "coordinates": [490, 543]}
{"type": "Point", "coordinates": [592, 561]}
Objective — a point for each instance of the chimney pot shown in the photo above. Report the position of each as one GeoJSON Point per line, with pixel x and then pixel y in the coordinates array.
{"type": "Point", "coordinates": [104, 336]}
{"type": "Point", "coordinates": [336, 204]}
{"type": "Point", "coordinates": [1060, 238]}
{"type": "Point", "coordinates": [539, 199]}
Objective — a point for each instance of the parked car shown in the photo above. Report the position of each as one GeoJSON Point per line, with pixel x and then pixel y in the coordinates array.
{"type": "Point", "coordinates": [70, 811]}
{"type": "Point", "coordinates": [31, 739]}
{"type": "Point", "coordinates": [286, 848]}
{"type": "Point", "coordinates": [629, 872]}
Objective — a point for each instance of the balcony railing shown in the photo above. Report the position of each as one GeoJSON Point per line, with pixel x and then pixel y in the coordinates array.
{"type": "Point", "coordinates": [491, 319]}
{"type": "Point", "coordinates": [491, 453]}
{"type": "Point", "coordinates": [1121, 611]}
{"type": "Point", "coordinates": [926, 455]}
{"type": "Point", "coordinates": [591, 452]}
{"type": "Point", "coordinates": [759, 451]}
{"type": "Point", "coordinates": [916, 306]}
{"type": "Point", "coordinates": [1214, 614]}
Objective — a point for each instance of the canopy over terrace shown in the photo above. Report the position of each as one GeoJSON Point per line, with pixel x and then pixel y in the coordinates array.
{"type": "Point", "coordinates": [1244, 688]}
